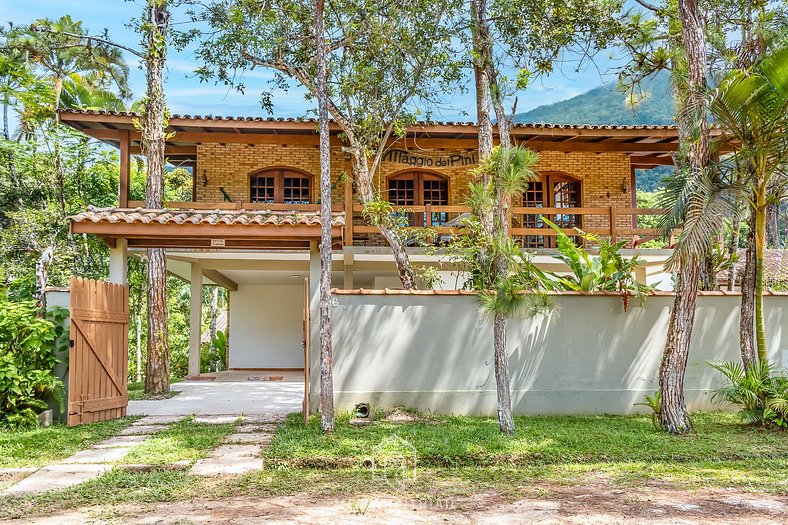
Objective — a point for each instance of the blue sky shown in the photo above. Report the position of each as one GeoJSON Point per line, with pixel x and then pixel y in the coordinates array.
{"type": "Point", "coordinates": [186, 95]}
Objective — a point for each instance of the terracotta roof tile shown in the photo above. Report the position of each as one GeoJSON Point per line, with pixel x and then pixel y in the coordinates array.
{"type": "Point", "coordinates": [229, 217]}
{"type": "Point", "coordinates": [529, 125]}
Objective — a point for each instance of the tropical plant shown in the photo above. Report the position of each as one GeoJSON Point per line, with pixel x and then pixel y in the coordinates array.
{"type": "Point", "coordinates": [752, 107]}
{"type": "Point", "coordinates": [216, 360]}
{"type": "Point", "coordinates": [607, 271]}
{"type": "Point", "coordinates": [654, 402]}
{"type": "Point", "coordinates": [759, 391]}
{"type": "Point", "coordinates": [27, 361]}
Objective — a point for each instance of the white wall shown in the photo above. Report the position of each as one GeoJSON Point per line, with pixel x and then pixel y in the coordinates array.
{"type": "Point", "coordinates": [434, 352]}
{"type": "Point", "coordinates": [265, 326]}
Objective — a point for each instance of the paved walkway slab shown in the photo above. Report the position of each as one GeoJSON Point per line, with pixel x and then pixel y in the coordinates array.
{"type": "Point", "coordinates": [229, 459]}
{"type": "Point", "coordinates": [122, 441]}
{"type": "Point", "coordinates": [56, 477]}
{"type": "Point", "coordinates": [216, 419]}
{"type": "Point", "coordinates": [255, 438]}
{"type": "Point", "coordinates": [98, 455]}
{"type": "Point", "coordinates": [158, 420]}
{"type": "Point", "coordinates": [140, 429]}
{"type": "Point", "coordinates": [203, 398]}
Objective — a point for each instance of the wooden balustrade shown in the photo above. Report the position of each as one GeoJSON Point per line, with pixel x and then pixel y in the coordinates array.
{"type": "Point", "coordinates": [444, 220]}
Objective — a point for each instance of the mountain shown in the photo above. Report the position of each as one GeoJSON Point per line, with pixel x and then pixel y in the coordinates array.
{"type": "Point", "coordinates": [608, 105]}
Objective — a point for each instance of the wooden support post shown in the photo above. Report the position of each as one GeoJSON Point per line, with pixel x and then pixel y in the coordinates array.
{"type": "Point", "coordinates": [125, 164]}
{"type": "Point", "coordinates": [640, 275]}
{"type": "Point", "coordinates": [195, 320]}
{"type": "Point", "coordinates": [348, 239]}
{"type": "Point", "coordinates": [613, 232]}
{"type": "Point", "coordinates": [349, 260]}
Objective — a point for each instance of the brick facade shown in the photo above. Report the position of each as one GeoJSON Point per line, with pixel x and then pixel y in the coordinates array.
{"type": "Point", "coordinates": [605, 177]}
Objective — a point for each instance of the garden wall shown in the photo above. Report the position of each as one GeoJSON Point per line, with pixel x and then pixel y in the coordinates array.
{"type": "Point", "coordinates": [434, 352]}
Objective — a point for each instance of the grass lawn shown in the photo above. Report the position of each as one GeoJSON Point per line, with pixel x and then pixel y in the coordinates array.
{"type": "Point", "coordinates": [36, 448]}
{"type": "Point", "coordinates": [181, 441]}
{"type": "Point", "coordinates": [722, 452]}
{"type": "Point", "coordinates": [454, 456]}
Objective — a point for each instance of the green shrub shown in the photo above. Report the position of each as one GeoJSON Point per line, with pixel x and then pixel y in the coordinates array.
{"type": "Point", "coordinates": [761, 393]}
{"type": "Point", "coordinates": [27, 361]}
{"type": "Point", "coordinates": [608, 271]}
{"type": "Point", "coordinates": [214, 361]}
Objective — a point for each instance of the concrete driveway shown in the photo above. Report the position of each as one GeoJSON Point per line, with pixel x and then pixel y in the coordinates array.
{"type": "Point", "coordinates": [209, 398]}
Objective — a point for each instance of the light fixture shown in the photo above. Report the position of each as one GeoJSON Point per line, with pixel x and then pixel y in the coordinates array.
{"type": "Point", "coordinates": [204, 178]}
{"type": "Point", "coordinates": [625, 186]}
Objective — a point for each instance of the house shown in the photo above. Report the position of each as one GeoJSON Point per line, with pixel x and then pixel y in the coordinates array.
{"type": "Point", "coordinates": [253, 223]}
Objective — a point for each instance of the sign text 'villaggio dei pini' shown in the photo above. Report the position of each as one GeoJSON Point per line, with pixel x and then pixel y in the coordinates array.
{"type": "Point", "coordinates": [418, 160]}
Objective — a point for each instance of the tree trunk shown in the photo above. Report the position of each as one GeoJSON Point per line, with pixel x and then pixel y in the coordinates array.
{"type": "Point", "coordinates": [367, 196]}
{"type": "Point", "coordinates": [60, 178]}
{"type": "Point", "coordinates": [747, 316]}
{"type": "Point", "coordinates": [157, 377]}
{"type": "Point", "coordinates": [694, 151]}
{"type": "Point", "coordinates": [673, 410]}
{"type": "Point", "coordinates": [42, 276]}
{"type": "Point", "coordinates": [502, 383]}
{"type": "Point", "coordinates": [773, 223]}
{"type": "Point", "coordinates": [153, 141]}
{"type": "Point", "coordinates": [760, 251]}
{"type": "Point", "coordinates": [326, 357]}
{"type": "Point", "coordinates": [494, 223]}
{"type": "Point", "coordinates": [733, 249]}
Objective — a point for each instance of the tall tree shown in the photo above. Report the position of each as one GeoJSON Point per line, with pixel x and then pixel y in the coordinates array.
{"type": "Point", "coordinates": [693, 157]}
{"type": "Point", "coordinates": [61, 47]}
{"type": "Point", "coordinates": [490, 214]}
{"type": "Point", "coordinates": [532, 36]}
{"type": "Point", "coordinates": [382, 59]}
{"type": "Point", "coordinates": [326, 380]}
{"type": "Point", "coordinates": [154, 26]}
{"type": "Point", "coordinates": [752, 106]}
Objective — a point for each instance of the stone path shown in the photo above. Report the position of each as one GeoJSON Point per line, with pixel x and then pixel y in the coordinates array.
{"type": "Point", "coordinates": [93, 462]}
{"type": "Point", "coordinates": [241, 451]}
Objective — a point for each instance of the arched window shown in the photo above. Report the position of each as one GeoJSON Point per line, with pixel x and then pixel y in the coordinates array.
{"type": "Point", "coordinates": [419, 188]}
{"type": "Point", "coordinates": [553, 190]}
{"type": "Point", "coordinates": [280, 185]}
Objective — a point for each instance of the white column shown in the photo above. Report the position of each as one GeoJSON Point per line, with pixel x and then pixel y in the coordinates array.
{"type": "Point", "coordinates": [119, 262]}
{"type": "Point", "coordinates": [195, 319]}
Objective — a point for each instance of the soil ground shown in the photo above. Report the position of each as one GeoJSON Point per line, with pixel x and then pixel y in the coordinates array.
{"type": "Point", "coordinates": [592, 503]}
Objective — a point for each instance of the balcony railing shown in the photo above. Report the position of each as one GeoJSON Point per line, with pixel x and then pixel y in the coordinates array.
{"type": "Point", "coordinates": [612, 222]}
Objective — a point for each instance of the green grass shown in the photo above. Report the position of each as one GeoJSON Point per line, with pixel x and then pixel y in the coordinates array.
{"type": "Point", "coordinates": [184, 440]}
{"type": "Point", "coordinates": [36, 448]}
{"type": "Point", "coordinates": [454, 457]}
{"type": "Point", "coordinates": [539, 440]}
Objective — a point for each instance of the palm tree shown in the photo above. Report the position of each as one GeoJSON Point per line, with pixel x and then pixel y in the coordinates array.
{"type": "Point", "coordinates": [752, 107]}
{"type": "Point", "coordinates": [497, 265]}
{"type": "Point", "coordinates": [60, 48]}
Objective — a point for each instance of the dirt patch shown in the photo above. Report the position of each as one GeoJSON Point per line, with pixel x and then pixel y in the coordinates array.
{"type": "Point", "coordinates": [593, 503]}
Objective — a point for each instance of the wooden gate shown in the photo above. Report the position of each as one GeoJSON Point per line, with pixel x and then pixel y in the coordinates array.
{"type": "Point", "coordinates": [98, 357]}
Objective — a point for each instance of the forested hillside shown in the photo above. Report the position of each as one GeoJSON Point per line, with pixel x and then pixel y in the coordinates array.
{"type": "Point", "coordinates": [653, 104]}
